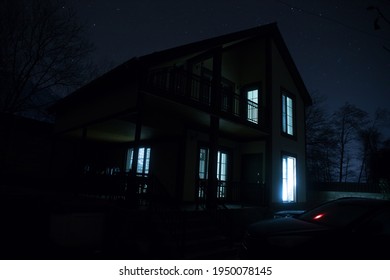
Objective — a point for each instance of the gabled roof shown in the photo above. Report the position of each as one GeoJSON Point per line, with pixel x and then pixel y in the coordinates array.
{"type": "Point", "coordinates": [120, 73]}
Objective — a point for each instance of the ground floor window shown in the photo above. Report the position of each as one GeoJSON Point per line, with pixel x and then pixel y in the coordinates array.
{"type": "Point", "coordinates": [222, 163]}
{"type": "Point", "coordinates": [203, 163]}
{"type": "Point", "coordinates": [143, 160]}
{"type": "Point", "coordinates": [289, 178]}
{"type": "Point", "coordinates": [221, 174]}
{"type": "Point", "coordinates": [142, 167]}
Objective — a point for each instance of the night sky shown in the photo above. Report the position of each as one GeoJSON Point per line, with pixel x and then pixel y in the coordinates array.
{"type": "Point", "coordinates": [333, 43]}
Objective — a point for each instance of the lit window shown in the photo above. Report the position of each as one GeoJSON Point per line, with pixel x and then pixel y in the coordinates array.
{"type": "Point", "coordinates": [253, 105]}
{"type": "Point", "coordinates": [287, 115]}
{"type": "Point", "coordinates": [203, 163]}
{"type": "Point", "coordinates": [221, 166]}
{"type": "Point", "coordinates": [289, 179]}
{"type": "Point", "coordinates": [143, 160]}
{"type": "Point", "coordinates": [203, 171]}
{"type": "Point", "coordinates": [222, 162]}
{"type": "Point", "coordinates": [221, 174]}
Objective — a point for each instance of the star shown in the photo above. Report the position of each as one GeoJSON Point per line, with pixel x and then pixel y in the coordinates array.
{"type": "Point", "coordinates": [315, 32]}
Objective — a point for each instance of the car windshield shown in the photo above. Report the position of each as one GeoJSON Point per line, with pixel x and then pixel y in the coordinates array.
{"type": "Point", "coordinates": [337, 214]}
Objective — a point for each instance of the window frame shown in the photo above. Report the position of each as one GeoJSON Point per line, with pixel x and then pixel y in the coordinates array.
{"type": "Point", "coordinates": [284, 156]}
{"type": "Point", "coordinates": [222, 193]}
{"type": "Point", "coordinates": [245, 90]}
{"type": "Point", "coordinates": [205, 172]}
{"type": "Point", "coordinates": [145, 160]}
{"type": "Point", "coordinates": [284, 114]}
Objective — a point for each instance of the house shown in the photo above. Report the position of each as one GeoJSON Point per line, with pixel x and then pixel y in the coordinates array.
{"type": "Point", "coordinates": [215, 121]}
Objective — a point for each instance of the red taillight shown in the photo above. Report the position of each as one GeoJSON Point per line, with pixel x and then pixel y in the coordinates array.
{"type": "Point", "coordinates": [319, 216]}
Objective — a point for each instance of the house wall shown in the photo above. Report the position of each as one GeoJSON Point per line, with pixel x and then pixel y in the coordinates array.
{"type": "Point", "coordinates": [282, 79]}
{"type": "Point", "coordinates": [204, 64]}
{"type": "Point", "coordinates": [253, 147]}
{"type": "Point", "coordinates": [244, 64]}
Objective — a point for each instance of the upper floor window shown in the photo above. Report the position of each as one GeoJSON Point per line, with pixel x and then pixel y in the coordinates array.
{"type": "Point", "coordinates": [253, 105]}
{"type": "Point", "coordinates": [288, 115]}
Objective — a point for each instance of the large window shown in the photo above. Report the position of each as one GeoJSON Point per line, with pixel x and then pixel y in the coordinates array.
{"type": "Point", "coordinates": [253, 105]}
{"type": "Point", "coordinates": [221, 173]}
{"type": "Point", "coordinates": [288, 115]}
{"type": "Point", "coordinates": [142, 167]}
{"type": "Point", "coordinates": [289, 178]}
{"type": "Point", "coordinates": [222, 163]}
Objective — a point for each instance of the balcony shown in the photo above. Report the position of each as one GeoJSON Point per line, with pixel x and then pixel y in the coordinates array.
{"type": "Point", "coordinates": [198, 92]}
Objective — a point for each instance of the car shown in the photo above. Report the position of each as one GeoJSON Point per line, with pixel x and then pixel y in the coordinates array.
{"type": "Point", "coordinates": [287, 213]}
{"type": "Point", "coordinates": [346, 228]}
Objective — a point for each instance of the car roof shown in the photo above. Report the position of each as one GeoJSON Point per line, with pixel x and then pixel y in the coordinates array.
{"type": "Point", "coordinates": [362, 201]}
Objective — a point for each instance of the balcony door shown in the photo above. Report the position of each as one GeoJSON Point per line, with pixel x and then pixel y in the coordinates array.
{"type": "Point", "coordinates": [252, 104]}
{"type": "Point", "coordinates": [201, 77]}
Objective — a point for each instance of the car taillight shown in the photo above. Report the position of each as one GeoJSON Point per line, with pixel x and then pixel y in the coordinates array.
{"type": "Point", "coordinates": [319, 216]}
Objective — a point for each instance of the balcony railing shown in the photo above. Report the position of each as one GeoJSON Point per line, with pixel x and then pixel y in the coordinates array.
{"type": "Point", "coordinates": [188, 87]}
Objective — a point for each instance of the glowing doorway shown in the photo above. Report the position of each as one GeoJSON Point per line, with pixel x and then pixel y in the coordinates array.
{"type": "Point", "coordinates": [289, 178]}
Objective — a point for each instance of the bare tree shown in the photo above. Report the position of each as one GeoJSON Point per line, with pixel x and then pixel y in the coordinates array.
{"type": "Point", "coordinates": [346, 123]}
{"type": "Point", "coordinates": [333, 142]}
{"type": "Point", "coordinates": [43, 53]}
{"type": "Point", "coordinates": [319, 141]}
{"type": "Point", "coordinates": [379, 20]}
{"type": "Point", "coordinates": [370, 141]}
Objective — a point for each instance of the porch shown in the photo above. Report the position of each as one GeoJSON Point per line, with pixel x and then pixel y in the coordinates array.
{"type": "Point", "coordinates": [45, 224]}
{"type": "Point", "coordinates": [148, 192]}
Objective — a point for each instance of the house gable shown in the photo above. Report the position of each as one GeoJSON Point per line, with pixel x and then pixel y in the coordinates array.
{"type": "Point", "coordinates": [179, 54]}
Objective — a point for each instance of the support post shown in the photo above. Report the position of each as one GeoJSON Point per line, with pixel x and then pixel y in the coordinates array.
{"type": "Point", "coordinates": [212, 188]}
{"type": "Point", "coordinates": [211, 196]}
